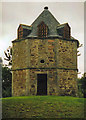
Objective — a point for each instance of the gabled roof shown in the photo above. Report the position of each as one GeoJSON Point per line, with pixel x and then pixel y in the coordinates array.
{"type": "Point", "coordinates": [26, 26]}
{"type": "Point", "coordinates": [49, 20]}
{"type": "Point", "coordinates": [62, 25]}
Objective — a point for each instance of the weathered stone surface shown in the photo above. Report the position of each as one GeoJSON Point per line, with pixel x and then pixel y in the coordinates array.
{"type": "Point", "coordinates": [19, 83]}
{"type": "Point", "coordinates": [67, 82]}
{"type": "Point", "coordinates": [56, 55]}
{"type": "Point", "coordinates": [67, 54]}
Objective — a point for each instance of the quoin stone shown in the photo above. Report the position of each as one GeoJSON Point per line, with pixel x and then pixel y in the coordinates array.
{"type": "Point", "coordinates": [44, 58]}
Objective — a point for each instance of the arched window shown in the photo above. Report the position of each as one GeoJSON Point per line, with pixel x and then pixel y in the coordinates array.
{"type": "Point", "coordinates": [42, 30]}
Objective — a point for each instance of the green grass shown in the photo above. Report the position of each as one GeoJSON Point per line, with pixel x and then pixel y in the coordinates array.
{"type": "Point", "coordinates": [43, 107]}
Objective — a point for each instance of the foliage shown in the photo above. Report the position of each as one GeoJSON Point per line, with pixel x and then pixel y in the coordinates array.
{"type": "Point", "coordinates": [8, 55]}
{"type": "Point", "coordinates": [43, 107]}
{"type": "Point", "coordinates": [6, 82]}
{"type": "Point", "coordinates": [82, 87]}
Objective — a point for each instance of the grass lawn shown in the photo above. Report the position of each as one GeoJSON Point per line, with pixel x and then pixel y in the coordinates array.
{"type": "Point", "coordinates": [43, 107]}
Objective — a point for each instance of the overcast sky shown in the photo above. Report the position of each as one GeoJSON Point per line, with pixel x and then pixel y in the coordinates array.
{"type": "Point", "coordinates": [15, 13]}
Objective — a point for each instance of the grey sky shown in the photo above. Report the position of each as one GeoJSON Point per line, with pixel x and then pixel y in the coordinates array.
{"type": "Point", "coordinates": [16, 13]}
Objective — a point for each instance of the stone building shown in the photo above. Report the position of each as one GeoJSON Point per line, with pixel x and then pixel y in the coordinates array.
{"type": "Point", "coordinates": [44, 58]}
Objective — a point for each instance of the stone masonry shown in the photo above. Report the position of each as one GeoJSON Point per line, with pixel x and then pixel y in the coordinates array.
{"type": "Point", "coordinates": [53, 55]}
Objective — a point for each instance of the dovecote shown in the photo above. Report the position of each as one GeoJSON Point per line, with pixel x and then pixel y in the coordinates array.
{"type": "Point", "coordinates": [44, 58]}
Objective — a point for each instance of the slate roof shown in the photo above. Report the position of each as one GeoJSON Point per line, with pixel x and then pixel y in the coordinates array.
{"type": "Point", "coordinates": [26, 27]}
{"type": "Point", "coordinates": [61, 25]}
{"type": "Point", "coordinates": [49, 20]}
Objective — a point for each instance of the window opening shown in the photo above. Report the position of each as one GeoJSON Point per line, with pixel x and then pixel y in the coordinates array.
{"type": "Point", "coordinates": [42, 30]}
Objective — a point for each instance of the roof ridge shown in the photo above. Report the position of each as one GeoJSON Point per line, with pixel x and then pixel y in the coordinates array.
{"type": "Point", "coordinates": [62, 24]}
{"type": "Point", "coordinates": [26, 25]}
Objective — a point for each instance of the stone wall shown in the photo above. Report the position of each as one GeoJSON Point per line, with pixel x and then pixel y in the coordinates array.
{"type": "Point", "coordinates": [67, 82]}
{"type": "Point", "coordinates": [51, 80]}
{"type": "Point", "coordinates": [60, 53]}
{"type": "Point", "coordinates": [29, 53]}
{"type": "Point", "coordinates": [67, 54]}
{"type": "Point", "coordinates": [55, 57]}
{"type": "Point", "coordinates": [59, 82]}
{"type": "Point", "coordinates": [25, 82]}
{"type": "Point", "coordinates": [42, 50]}
{"type": "Point", "coordinates": [19, 83]}
{"type": "Point", "coordinates": [20, 54]}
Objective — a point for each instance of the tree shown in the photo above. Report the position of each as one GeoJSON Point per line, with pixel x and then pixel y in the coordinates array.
{"type": "Point", "coordinates": [6, 82]}
{"type": "Point", "coordinates": [82, 86]}
{"type": "Point", "coordinates": [8, 55]}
